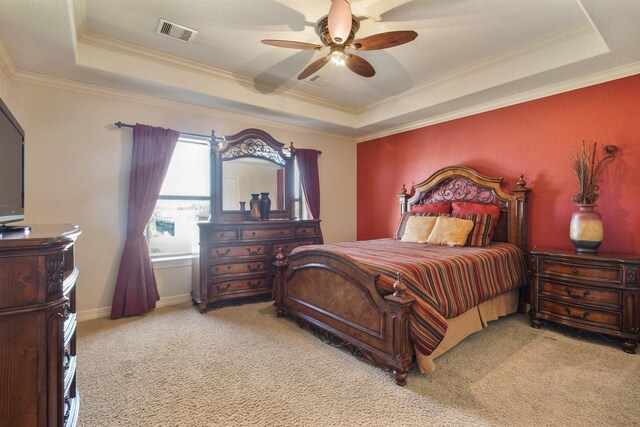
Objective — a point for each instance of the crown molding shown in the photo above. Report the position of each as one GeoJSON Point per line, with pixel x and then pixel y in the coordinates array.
{"type": "Point", "coordinates": [6, 62]}
{"type": "Point", "coordinates": [590, 80]}
{"type": "Point", "coordinates": [111, 93]}
{"type": "Point", "coordinates": [492, 61]}
{"type": "Point", "coordinates": [103, 42]}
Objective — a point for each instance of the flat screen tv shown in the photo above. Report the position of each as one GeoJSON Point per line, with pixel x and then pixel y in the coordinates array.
{"type": "Point", "coordinates": [11, 170]}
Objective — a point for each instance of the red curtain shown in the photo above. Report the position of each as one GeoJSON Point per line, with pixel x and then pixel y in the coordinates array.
{"type": "Point", "coordinates": [310, 180]}
{"type": "Point", "coordinates": [136, 290]}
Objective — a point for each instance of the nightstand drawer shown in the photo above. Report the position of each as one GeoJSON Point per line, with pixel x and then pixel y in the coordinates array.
{"type": "Point", "coordinates": [571, 312]}
{"type": "Point", "coordinates": [582, 294]}
{"type": "Point", "coordinates": [585, 272]}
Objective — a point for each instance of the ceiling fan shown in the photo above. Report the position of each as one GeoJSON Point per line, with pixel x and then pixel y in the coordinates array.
{"type": "Point", "coordinates": [337, 31]}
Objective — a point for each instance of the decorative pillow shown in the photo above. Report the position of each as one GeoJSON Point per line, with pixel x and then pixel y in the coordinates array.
{"type": "Point", "coordinates": [482, 230]}
{"type": "Point", "coordinates": [465, 208]}
{"type": "Point", "coordinates": [405, 217]}
{"type": "Point", "coordinates": [450, 231]}
{"type": "Point", "coordinates": [418, 228]}
{"type": "Point", "coordinates": [440, 207]}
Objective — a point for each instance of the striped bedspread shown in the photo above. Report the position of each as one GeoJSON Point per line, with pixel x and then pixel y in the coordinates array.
{"type": "Point", "coordinates": [445, 281]}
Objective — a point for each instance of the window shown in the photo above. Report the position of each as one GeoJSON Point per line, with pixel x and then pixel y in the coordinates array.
{"type": "Point", "coordinates": [183, 201]}
{"type": "Point", "coordinates": [299, 204]}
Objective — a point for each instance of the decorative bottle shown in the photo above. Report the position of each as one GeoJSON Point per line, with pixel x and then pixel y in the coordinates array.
{"type": "Point", "coordinates": [254, 207]}
{"type": "Point", "coordinates": [265, 206]}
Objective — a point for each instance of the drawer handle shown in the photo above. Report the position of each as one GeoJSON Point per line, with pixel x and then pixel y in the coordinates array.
{"type": "Point", "coordinates": [574, 271]}
{"type": "Point", "coordinates": [256, 268]}
{"type": "Point", "coordinates": [225, 253]}
{"type": "Point", "coordinates": [577, 296]}
{"type": "Point", "coordinates": [253, 285]}
{"type": "Point", "coordinates": [67, 311]}
{"type": "Point", "coordinates": [281, 232]}
{"type": "Point", "coordinates": [253, 233]}
{"type": "Point", "coordinates": [67, 357]}
{"type": "Point", "coordinates": [582, 316]}
{"type": "Point", "coordinates": [67, 413]}
{"type": "Point", "coordinates": [223, 288]}
{"type": "Point", "coordinates": [256, 252]}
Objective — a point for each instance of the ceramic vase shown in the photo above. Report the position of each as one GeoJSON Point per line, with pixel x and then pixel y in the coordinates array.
{"type": "Point", "coordinates": [586, 229]}
{"type": "Point", "coordinates": [265, 206]}
{"type": "Point", "coordinates": [254, 207]}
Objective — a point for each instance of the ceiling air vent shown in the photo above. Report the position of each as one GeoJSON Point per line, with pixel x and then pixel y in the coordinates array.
{"type": "Point", "coordinates": [176, 31]}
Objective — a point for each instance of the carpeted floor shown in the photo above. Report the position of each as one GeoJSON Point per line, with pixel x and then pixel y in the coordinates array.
{"type": "Point", "coordinates": [241, 366]}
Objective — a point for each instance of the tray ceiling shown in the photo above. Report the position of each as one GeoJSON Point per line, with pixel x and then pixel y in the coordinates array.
{"type": "Point", "coordinates": [470, 55]}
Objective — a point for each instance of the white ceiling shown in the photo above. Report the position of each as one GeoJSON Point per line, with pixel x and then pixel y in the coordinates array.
{"type": "Point", "coordinates": [470, 55]}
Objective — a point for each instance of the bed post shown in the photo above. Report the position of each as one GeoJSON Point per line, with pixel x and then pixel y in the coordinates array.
{"type": "Point", "coordinates": [521, 193]}
{"type": "Point", "coordinates": [280, 264]}
{"type": "Point", "coordinates": [403, 196]}
{"type": "Point", "coordinates": [400, 307]}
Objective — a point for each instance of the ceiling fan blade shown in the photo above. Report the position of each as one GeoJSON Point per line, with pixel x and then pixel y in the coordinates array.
{"type": "Point", "coordinates": [384, 40]}
{"type": "Point", "coordinates": [359, 65]}
{"type": "Point", "coordinates": [339, 21]}
{"type": "Point", "coordinates": [292, 44]}
{"type": "Point", "coordinates": [313, 67]}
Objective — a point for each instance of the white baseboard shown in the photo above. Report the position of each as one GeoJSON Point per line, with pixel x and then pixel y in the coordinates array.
{"type": "Point", "coordinates": [98, 313]}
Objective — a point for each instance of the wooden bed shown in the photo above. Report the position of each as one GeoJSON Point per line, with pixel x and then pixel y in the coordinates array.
{"type": "Point", "coordinates": [338, 300]}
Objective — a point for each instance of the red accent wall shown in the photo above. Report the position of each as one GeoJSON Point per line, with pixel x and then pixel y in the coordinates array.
{"type": "Point", "coordinates": [536, 139]}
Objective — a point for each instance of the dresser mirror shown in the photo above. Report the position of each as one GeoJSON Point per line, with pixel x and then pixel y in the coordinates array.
{"type": "Point", "coordinates": [250, 162]}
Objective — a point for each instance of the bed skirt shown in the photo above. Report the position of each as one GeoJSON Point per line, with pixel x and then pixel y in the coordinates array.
{"type": "Point", "coordinates": [467, 323]}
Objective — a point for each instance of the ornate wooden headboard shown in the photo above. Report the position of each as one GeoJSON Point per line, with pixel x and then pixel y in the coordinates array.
{"type": "Point", "coordinates": [460, 183]}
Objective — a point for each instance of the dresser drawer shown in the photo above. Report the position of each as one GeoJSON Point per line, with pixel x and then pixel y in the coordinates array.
{"type": "Point", "coordinates": [232, 286]}
{"type": "Point", "coordinates": [582, 294]}
{"type": "Point", "coordinates": [606, 319]}
{"type": "Point", "coordinates": [584, 272]}
{"type": "Point", "coordinates": [222, 252]}
{"type": "Point", "coordinates": [266, 233]}
{"type": "Point", "coordinates": [258, 266]}
{"type": "Point", "coordinates": [305, 231]}
{"type": "Point", "coordinates": [219, 235]}
{"type": "Point", "coordinates": [287, 247]}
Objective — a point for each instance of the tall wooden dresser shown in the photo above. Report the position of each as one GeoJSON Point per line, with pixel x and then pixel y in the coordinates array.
{"type": "Point", "coordinates": [235, 256]}
{"type": "Point", "coordinates": [38, 327]}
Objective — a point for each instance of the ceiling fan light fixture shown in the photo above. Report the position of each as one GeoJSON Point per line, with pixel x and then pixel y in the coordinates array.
{"type": "Point", "coordinates": [339, 21]}
{"type": "Point", "coordinates": [337, 58]}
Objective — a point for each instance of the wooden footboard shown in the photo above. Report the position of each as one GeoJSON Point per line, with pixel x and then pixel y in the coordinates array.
{"type": "Point", "coordinates": [335, 296]}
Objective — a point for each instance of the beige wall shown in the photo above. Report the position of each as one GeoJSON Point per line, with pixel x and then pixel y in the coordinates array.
{"type": "Point", "coordinates": [77, 170]}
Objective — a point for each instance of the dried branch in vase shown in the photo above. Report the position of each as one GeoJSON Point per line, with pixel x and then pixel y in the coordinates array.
{"type": "Point", "coordinates": [588, 171]}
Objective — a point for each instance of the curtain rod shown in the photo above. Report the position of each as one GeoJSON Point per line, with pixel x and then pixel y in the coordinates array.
{"type": "Point", "coordinates": [126, 125]}
{"type": "Point", "coordinates": [121, 125]}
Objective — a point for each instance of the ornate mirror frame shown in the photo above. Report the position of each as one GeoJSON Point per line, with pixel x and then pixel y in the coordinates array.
{"type": "Point", "coordinates": [252, 143]}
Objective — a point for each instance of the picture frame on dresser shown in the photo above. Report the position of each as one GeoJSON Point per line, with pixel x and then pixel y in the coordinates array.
{"type": "Point", "coordinates": [235, 251]}
{"type": "Point", "coordinates": [593, 292]}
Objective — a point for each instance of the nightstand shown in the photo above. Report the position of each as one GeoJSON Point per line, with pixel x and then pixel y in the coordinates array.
{"type": "Point", "coordinates": [596, 293]}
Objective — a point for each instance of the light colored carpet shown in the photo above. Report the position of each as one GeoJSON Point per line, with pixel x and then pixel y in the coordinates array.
{"type": "Point", "coordinates": [240, 365]}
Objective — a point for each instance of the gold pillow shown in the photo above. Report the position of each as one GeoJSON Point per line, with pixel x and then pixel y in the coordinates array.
{"type": "Point", "coordinates": [450, 231]}
{"type": "Point", "coordinates": [418, 228]}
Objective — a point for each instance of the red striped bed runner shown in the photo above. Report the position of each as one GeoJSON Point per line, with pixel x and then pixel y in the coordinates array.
{"type": "Point", "coordinates": [446, 281]}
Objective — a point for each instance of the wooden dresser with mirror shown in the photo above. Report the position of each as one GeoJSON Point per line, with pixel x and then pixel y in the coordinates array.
{"type": "Point", "coordinates": [236, 251]}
